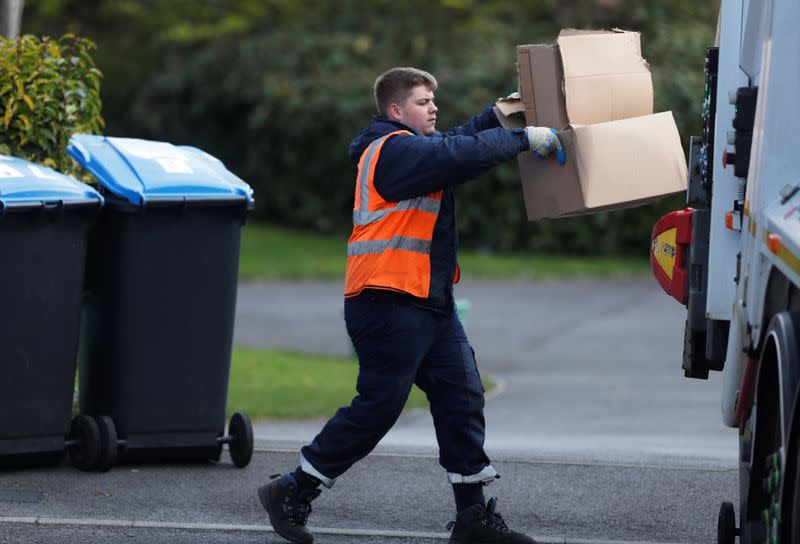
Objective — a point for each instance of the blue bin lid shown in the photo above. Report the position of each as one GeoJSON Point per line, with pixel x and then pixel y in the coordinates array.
{"type": "Point", "coordinates": [144, 172]}
{"type": "Point", "coordinates": [25, 184]}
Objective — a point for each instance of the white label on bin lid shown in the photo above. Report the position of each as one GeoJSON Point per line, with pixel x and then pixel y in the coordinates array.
{"type": "Point", "coordinates": [174, 165]}
{"type": "Point", "coordinates": [42, 172]}
{"type": "Point", "coordinates": [145, 149]}
{"type": "Point", "coordinates": [7, 171]}
{"type": "Point", "coordinates": [171, 159]}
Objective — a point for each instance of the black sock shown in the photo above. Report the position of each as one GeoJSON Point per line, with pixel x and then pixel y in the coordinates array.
{"type": "Point", "coordinates": [468, 494]}
{"type": "Point", "coordinates": [305, 480]}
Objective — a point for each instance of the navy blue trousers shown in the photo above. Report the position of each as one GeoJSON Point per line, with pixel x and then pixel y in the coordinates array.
{"type": "Point", "coordinates": [399, 344]}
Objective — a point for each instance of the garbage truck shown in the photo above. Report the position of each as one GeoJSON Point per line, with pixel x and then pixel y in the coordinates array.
{"type": "Point", "coordinates": [732, 257]}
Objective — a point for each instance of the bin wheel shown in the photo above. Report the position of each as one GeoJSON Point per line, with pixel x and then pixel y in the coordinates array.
{"type": "Point", "coordinates": [84, 451]}
{"type": "Point", "coordinates": [726, 524]}
{"type": "Point", "coordinates": [241, 444]}
{"type": "Point", "coordinates": [108, 443]}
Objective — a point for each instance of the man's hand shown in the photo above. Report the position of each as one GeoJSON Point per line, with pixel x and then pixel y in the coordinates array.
{"type": "Point", "coordinates": [544, 142]}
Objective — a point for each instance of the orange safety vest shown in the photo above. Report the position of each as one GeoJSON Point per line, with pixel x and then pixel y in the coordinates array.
{"type": "Point", "coordinates": [390, 247]}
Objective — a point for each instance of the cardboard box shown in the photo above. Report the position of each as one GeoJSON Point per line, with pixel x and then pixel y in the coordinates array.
{"type": "Point", "coordinates": [595, 88]}
{"type": "Point", "coordinates": [510, 111]}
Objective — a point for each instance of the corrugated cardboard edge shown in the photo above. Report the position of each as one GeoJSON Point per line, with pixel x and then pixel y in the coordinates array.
{"type": "Point", "coordinates": [612, 207]}
{"type": "Point", "coordinates": [637, 42]}
{"type": "Point", "coordinates": [526, 84]}
{"type": "Point", "coordinates": [510, 111]}
{"type": "Point", "coordinates": [585, 32]}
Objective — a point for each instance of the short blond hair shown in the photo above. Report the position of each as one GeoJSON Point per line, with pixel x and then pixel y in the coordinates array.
{"type": "Point", "coordinates": [394, 86]}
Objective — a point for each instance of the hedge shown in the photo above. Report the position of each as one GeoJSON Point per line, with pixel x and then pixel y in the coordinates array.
{"type": "Point", "coordinates": [50, 89]}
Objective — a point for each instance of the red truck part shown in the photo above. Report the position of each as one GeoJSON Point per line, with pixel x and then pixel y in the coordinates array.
{"type": "Point", "coordinates": [672, 235]}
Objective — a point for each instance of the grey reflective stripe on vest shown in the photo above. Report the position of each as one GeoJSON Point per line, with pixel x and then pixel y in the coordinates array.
{"type": "Point", "coordinates": [363, 216]}
{"type": "Point", "coordinates": [422, 203]}
{"type": "Point", "coordinates": [363, 175]}
{"type": "Point", "coordinates": [379, 246]}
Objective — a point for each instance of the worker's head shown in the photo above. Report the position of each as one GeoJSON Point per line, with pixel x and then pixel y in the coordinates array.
{"type": "Point", "coordinates": [406, 95]}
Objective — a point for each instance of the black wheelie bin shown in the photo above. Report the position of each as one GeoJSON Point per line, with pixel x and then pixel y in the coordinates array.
{"type": "Point", "coordinates": [45, 218]}
{"type": "Point", "coordinates": [162, 276]}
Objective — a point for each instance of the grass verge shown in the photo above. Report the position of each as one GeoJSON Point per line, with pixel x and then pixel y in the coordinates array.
{"type": "Point", "coordinates": [277, 253]}
{"type": "Point", "coordinates": [273, 384]}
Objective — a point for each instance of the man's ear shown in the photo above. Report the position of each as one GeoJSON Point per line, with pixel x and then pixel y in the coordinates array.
{"type": "Point", "coordinates": [394, 112]}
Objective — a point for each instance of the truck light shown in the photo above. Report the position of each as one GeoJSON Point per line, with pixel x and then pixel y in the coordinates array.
{"type": "Point", "coordinates": [774, 243]}
{"type": "Point", "coordinates": [729, 220]}
{"type": "Point", "coordinates": [671, 237]}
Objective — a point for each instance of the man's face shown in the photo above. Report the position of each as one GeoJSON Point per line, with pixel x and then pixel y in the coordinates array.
{"type": "Point", "coordinates": [418, 111]}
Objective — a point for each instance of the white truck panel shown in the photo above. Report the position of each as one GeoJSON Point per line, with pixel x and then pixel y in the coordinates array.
{"type": "Point", "coordinates": [776, 132]}
{"type": "Point", "coordinates": [724, 243]}
{"type": "Point", "coordinates": [775, 144]}
{"type": "Point", "coordinates": [773, 165]}
{"type": "Point", "coordinates": [785, 222]}
{"type": "Point", "coordinates": [755, 272]}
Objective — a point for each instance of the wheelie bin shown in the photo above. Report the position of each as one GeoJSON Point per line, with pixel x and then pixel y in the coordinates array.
{"type": "Point", "coordinates": [45, 217]}
{"type": "Point", "coordinates": [162, 277]}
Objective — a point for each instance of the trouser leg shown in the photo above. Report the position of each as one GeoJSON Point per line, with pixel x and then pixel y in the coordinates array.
{"type": "Point", "coordinates": [391, 341]}
{"type": "Point", "coordinates": [449, 376]}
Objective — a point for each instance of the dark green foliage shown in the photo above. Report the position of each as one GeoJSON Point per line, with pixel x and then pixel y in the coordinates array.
{"type": "Point", "coordinates": [278, 91]}
{"type": "Point", "coordinates": [49, 90]}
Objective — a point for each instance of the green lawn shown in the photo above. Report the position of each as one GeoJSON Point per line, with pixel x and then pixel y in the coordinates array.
{"type": "Point", "coordinates": [278, 253]}
{"type": "Point", "coordinates": [284, 385]}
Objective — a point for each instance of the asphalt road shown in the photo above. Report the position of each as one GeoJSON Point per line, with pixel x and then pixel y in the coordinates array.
{"type": "Point", "coordinates": [386, 494]}
{"type": "Point", "coordinates": [597, 435]}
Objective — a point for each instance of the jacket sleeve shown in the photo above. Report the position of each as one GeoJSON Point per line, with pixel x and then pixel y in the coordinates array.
{"type": "Point", "coordinates": [411, 166]}
{"type": "Point", "coordinates": [483, 121]}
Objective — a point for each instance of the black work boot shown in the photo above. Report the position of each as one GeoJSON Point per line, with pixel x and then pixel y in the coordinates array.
{"type": "Point", "coordinates": [482, 525]}
{"type": "Point", "coordinates": [288, 507]}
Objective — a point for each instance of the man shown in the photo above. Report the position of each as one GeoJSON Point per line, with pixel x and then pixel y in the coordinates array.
{"type": "Point", "coordinates": [399, 309]}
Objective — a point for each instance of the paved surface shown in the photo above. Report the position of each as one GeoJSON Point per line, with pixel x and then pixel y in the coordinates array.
{"type": "Point", "coordinates": [550, 500]}
{"type": "Point", "coordinates": [596, 433]}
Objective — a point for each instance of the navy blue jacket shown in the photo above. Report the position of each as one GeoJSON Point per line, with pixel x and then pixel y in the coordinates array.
{"type": "Point", "coordinates": [411, 166]}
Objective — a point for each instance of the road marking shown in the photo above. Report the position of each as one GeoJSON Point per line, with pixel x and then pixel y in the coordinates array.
{"type": "Point", "coordinates": [19, 520]}
{"type": "Point", "coordinates": [78, 522]}
{"type": "Point", "coordinates": [89, 522]}
{"type": "Point", "coordinates": [501, 459]}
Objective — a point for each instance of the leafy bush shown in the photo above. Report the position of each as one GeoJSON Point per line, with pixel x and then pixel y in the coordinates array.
{"type": "Point", "coordinates": [49, 90]}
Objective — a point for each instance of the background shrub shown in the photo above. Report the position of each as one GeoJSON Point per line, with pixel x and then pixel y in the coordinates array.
{"type": "Point", "coordinates": [50, 89]}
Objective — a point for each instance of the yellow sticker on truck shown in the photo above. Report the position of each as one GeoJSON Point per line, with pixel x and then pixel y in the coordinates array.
{"type": "Point", "coordinates": [664, 249]}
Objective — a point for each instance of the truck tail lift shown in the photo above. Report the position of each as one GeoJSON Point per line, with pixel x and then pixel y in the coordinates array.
{"type": "Point", "coordinates": [732, 257]}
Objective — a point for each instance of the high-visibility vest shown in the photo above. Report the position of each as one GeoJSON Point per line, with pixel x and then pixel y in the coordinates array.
{"type": "Point", "coordinates": [390, 247]}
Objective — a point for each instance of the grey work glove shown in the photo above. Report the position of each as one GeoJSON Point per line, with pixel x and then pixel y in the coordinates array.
{"type": "Point", "coordinates": [544, 142]}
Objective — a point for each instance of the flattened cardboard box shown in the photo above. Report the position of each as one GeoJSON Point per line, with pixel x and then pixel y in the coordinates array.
{"type": "Point", "coordinates": [595, 88]}
{"type": "Point", "coordinates": [510, 111]}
